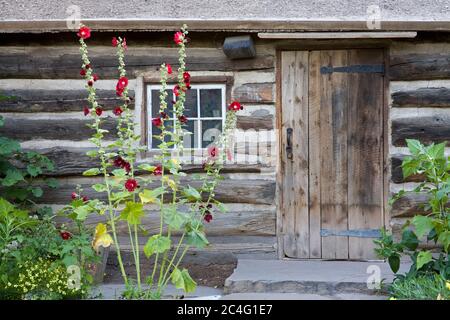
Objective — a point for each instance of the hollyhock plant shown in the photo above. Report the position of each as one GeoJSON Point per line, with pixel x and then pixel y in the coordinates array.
{"type": "Point", "coordinates": [65, 235]}
{"type": "Point", "coordinates": [129, 191]}
{"type": "Point", "coordinates": [84, 32]}
{"type": "Point", "coordinates": [86, 111]}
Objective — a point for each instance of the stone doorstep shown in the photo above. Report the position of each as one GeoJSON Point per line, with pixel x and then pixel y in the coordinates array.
{"type": "Point", "coordinates": [324, 278]}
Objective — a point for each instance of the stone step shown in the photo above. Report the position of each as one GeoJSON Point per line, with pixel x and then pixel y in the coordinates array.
{"type": "Point", "coordinates": [311, 277]}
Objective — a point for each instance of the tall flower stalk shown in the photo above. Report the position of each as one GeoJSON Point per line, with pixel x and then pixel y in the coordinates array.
{"type": "Point", "coordinates": [183, 209]}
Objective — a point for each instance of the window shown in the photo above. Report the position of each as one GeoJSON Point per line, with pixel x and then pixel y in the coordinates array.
{"type": "Point", "coordinates": [204, 108]}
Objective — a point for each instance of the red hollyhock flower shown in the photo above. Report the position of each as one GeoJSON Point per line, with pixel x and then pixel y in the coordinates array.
{"type": "Point", "coordinates": [208, 217]}
{"type": "Point", "coordinates": [65, 235]}
{"type": "Point", "coordinates": [158, 170]}
{"type": "Point", "coordinates": [131, 185]}
{"type": "Point", "coordinates": [183, 118]}
{"type": "Point", "coordinates": [84, 32]}
{"type": "Point", "coordinates": [169, 68]}
{"type": "Point", "coordinates": [235, 106]}
{"type": "Point", "coordinates": [88, 66]}
{"type": "Point", "coordinates": [119, 91]}
{"type": "Point", "coordinates": [117, 111]}
{"type": "Point", "coordinates": [114, 42]}
{"type": "Point", "coordinates": [122, 83]}
{"type": "Point", "coordinates": [119, 162]}
{"type": "Point", "coordinates": [85, 198]}
{"type": "Point", "coordinates": [127, 167]}
{"type": "Point", "coordinates": [98, 111]}
{"type": "Point", "coordinates": [186, 77]}
{"type": "Point", "coordinates": [95, 77]}
{"type": "Point", "coordinates": [90, 83]}
{"type": "Point", "coordinates": [176, 90]}
{"type": "Point", "coordinates": [74, 195]}
{"type": "Point", "coordinates": [86, 111]}
{"type": "Point", "coordinates": [164, 115]}
{"type": "Point", "coordinates": [213, 152]}
{"type": "Point", "coordinates": [178, 37]}
{"type": "Point", "coordinates": [82, 72]}
{"type": "Point", "coordinates": [157, 122]}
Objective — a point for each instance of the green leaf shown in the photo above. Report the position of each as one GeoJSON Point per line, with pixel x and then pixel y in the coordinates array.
{"type": "Point", "coordinates": [70, 260]}
{"type": "Point", "coordinates": [8, 146]}
{"type": "Point", "coordinates": [394, 262]}
{"type": "Point", "coordinates": [173, 218]}
{"type": "Point", "coordinates": [12, 177]}
{"type": "Point", "coordinates": [99, 187]}
{"type": "Point", "coordinates": [182, 280]}
{"type": "Point", "coordinates": [92, 172]}
{"type": "Point", "coordinates": [119, 172]}
{"type": "Point", "coordinates": [5, 206]}
{"type": "Point", "coordinates": [92, 153]}
{"type": "Point", "coordinates": [147, 167]}
{"type": "Point", "coordinates": [156, 244]}
{"type": "Point", "coordinates": [423, 258]}
{"type": "Point", "coordinates": [423, 225]}
{"type": "Point", "coordinates": [444, 239]}
{"type": "Point", "coordinates": [221, 207]}
{"type": "Point", "coordinates": [52, 183]}
{"type": "Point", "coordinates": [436, 151]}
{"type": "Point", "coordinates": [151, 196]}
{"type": "Point", "coordinates": [133, 212]}
{"type": "Point", "coordinates": [37, 192]}
{"type": "Point", "coordinates": [2, 120]}
{"type": "Point", "coordinates": [191, 194]}
{"type": "Point", "coordinates": [82, 212]}
{"type": "Point", "coordinates": [414, 146]}
{"type": "Point", "coordinates": [409, 240]}
{"type": "Point", "coordinates": [197, 238]}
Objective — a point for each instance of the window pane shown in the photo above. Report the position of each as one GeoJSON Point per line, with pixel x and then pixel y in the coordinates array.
{"type": "Point", "coordinates": [157, 131]}
{"type": "Point", "coordinates": [191, 140]}
{"type": "Point", "coordinates": [211, 129]}
{"type": "Point", "coordinates": [155, 103]}
{"type": "Point", "coordinates": [190, 105]}
{"type": "Point", "coordinates": [211, 103]}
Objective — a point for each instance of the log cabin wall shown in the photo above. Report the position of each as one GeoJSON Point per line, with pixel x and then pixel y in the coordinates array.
{"type": "Point", "coordinates": [41, 74]}
{"type": "Point", "coordinates": [419, 103]}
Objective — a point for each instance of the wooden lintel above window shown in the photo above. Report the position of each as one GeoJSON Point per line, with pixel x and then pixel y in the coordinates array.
{"type": "Point", "coordinates": [336, 35]}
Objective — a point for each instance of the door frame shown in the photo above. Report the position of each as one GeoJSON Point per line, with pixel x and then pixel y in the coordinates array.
{"type": "Point", "coordinates": [330, 45]}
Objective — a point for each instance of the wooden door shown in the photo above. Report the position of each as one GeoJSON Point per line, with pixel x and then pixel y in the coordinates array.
{"type": "Point", "coordinates": [331, 168]}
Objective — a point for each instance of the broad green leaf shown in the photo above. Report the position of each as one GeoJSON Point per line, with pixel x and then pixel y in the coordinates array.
{"type": "Point", "coordinates": [394, 262]}
{"type": "Point", "coordinates": [444, 239]}
{"type": "Point", "coordinates": [70, 260]}
{"type": "Point", "coordinates": [92, 153]}
{"type": "Point", "coordinates": [191, 194]}
{"type": "Point", "coordinates": [101, 237]}
{"type": "Point", "coordinates": [133, 212]}
{"type": "Point", "coordinates": [99, 187]}
{"type": "Point", "coordinates": [5, 206]}
{"type": "Point", "coordinates": [409, 240]}
{"type": "Point", "coordinates": [423, 258]}
{"type": "Point", "coordinates": [12, 177]}
{"type": "Point", "coordinates": [182, 280]}
{"type": "Point", "coordinates": [156, 244]}
{"type": "Point", "coordinates": [33, 170]}
{"type": "Point", "coordinates": [173, 218]}
{"type": "Point", "coordinates": [52, 183]}
{"type": "Point", "coordinates": [414, 146]}
{"type": "Point", "coordinates": [151, 196]}
{"type": "Point", "coordinates": [37, 192]}
{"type": "Point", "coordinates": [92, 172]}
{"type": "Point", "coordinates": [119, 172]}
{"type": "Point", "coordinates": [410, 166]}
{"type": "Point", "coordinates": [423, 225]}
{"type": "Point", "coordinates": [147, 167]}
{"type": "Point", "coordinates": [8, 146]}
{"type": "Point", "coordinates": [197, 239]}
{"type": "Point", "coordinates": [82, 212]}
{"type": "Point", "coordinates": [436, 151]}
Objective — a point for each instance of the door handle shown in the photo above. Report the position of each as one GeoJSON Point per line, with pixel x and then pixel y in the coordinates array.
{"type": "Point", "coordinates": [289, 154]}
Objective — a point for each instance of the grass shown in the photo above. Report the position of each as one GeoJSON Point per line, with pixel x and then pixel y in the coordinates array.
{"type": "Point", "coordinates": [421, 287]}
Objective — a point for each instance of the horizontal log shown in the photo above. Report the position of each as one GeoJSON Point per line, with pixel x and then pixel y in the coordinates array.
{"type": "Point", "coordinates": [409, 205]}
{"type": "Point", "coordinates": [32, 100]}
{"type": "Point", "coordinates": [397, 230]}
{"type": "Point", "coordinates": [74, 161]}
{"type": "Point", "coordinates": [419, 67]}
{"type": "Point", "coordinates": [262, 122]}
{"type": "Point", "coordinates": [252, 191]}
{"type": "Point", "coordinates": [53, 129]}
{"type": "Point", "coordinates": [231, 223]}
{"type": "Point", "coordinates": [57, 63]}
{"type": "Point", "coordinates": [254, 93]}
{"type": "Point", "coordinates": [397, 172]}
{"type": "Point", "coordinates": [422, 98]}
{"type": "Point", "coordinates": [427, 129]}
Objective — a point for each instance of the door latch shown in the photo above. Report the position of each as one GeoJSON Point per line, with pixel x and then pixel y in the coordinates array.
{"type": "Point", "coordinates": [289, 154]}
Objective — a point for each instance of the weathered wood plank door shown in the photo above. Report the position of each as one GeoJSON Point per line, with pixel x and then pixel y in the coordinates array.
{"type": "Point", "coordinates": [331, 168]}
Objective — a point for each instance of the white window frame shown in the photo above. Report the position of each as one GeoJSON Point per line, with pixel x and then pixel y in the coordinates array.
{"type": "Point", "coordinates": [198, 119]}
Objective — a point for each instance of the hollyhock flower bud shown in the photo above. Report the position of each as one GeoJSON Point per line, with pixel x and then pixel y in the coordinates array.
{"type": "Point", "coordinates": [88, 66]}
{"type": "Point", "coordinates": [74, 195]}
{"type": "Point", "coordinates": [82, 72]}
{"type": "Point", "coordinates": [235, 106]}
{"type": "Point", "coordinates": [84, 32]}
{"type": "Point", "coordinates": [186, 77]}
{"type": "Point", "coordinates": [169, 68]}
{"type": "Point", "coordinates": [85, 198]}
{"type": "Point", "coordinates": [208, 217]}
{"type": "Point", "coordinates": [178, 37]}
{"type": "Point", "coordinates": [117, 111]}
{"type": "Point", "coordinates": [65, 235]}
{"type": "Point", "coordinates": [157, 122]}
{"type": "Point", "coordinates": [90, 83]}
{"type": "Point", "coordinates": [164, 115]}
{"type": "Point", "coordinates": [114, 42]}
{"type": "Point", "coordinates": [86, 111]}
{"type": "Point", "coordinates": [158, 170]}
{"type": "Point", "coordinates": [183, 118]}
{"type": "Point", "coordinates": [95, 77]}
{"type": "Point", "coordinates": [98, 111]}
{"type": "Point", "coordinates": [131, 185]}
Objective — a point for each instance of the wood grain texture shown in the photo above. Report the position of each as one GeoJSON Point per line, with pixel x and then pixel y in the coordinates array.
{"type": "Point", "coordinates": [253, 191]}
{"type": "Point", "coordinates": [419, 67]}
{"type": "Point", "coordinates": [33, 100]}
{"type": "Point", "coordinates": [422, 98]}
{"type": "Point", "coordinates": [254, 93]}
{"type": "Point", "coordinates": [256, 122]}
{"type": "Point", "coordinates": [333, 157]}
{"type": "Point", "coordinates": [59, 62]}
{"type": "Point", "coordinates": [409, 205]}
{"type": "Point", "coordinates": [54, 129]}
{"type": "Point", "coordinates": [427, 129]}
{"type": "Point", "coordinates": [365, 152]}
{"type": "Point", "coordinates": [295, 171]}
